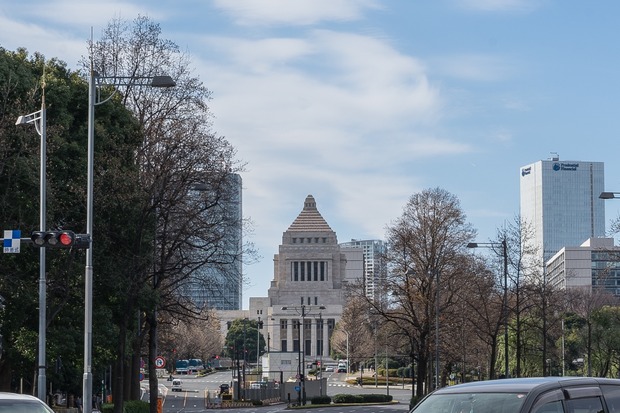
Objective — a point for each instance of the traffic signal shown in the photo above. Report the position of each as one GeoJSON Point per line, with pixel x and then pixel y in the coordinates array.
{"type": "Point", "coordinates": [59, 239]}
{"type": "Point", "coordinates": [260, 325]}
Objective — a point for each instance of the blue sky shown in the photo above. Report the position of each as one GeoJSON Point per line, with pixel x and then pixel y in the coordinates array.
{"type": "Point", "coordinates": [363, 103]}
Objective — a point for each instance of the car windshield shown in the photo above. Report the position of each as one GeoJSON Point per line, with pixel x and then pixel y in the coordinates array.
{"type": "Point", "coordinates": [471, 403]}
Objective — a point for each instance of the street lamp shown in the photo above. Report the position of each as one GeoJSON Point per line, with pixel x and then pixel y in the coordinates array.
{"type": "Point", "coordinates": [505, 300]}
{"type": "Point", "coordinates": [39, 119]}
{"type": "Point", "coordinates": [95, 82]}
{"type": "Point", "coordinates": [609, 195]}
{"type": "Point", "coordinates": [303, 311]}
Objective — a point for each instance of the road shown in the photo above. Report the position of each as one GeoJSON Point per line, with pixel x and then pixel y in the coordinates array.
{"type": "Point", "coordinates": [194, 389]}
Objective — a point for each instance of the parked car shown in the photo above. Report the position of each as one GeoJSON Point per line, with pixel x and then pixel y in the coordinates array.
{"type": "Point", "coordinates": [224, 388]}
{"type": "Point", "coordinates": [12, 403]}
{"type": "Point", "coordinates": [329, 368]}
{"type": "Point", "coordinates": [526, 395]}
{"type": "Point", "coordinates": [177, 385]}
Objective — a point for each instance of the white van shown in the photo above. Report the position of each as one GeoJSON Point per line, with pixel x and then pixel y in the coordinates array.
{"type": "Point", "coordinates": [176, 385]}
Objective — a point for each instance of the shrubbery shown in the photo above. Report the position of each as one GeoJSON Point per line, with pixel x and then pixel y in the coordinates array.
{"type": "Point", "coordinates": [136, 406]}
{"type": "Point", "coordinates": [321, 400]}
{"type": "Point", "coordinates": [131, 406]}
{"type": "Point", "coordinates": [362, 398]}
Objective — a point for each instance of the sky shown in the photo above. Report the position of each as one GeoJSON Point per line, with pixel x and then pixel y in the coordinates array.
{"type": "Point", "coordinates": [364, 103]}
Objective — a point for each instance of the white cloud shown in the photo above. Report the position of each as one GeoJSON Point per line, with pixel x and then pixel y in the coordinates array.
{"type": "Point", "coordinates": [297, 12]}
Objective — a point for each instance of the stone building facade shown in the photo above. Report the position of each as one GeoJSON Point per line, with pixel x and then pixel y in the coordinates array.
{"type": "Point", "coordinates": [307, 294]}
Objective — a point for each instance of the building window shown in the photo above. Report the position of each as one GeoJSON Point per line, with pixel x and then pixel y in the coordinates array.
{"type": "Point", "coordinates": [302, 300]}
{"type": "Point", "coordinates": [316, 300]}
{"type": "Point", "coordinates": [295, 271]}
{"type": "Point", "coordinates": [316, 271]}
{"type": "Point", "coordinates": [323, 275]}
{"type": "Point", "coordinates": [303, 271]}
{"type": "Point", "coordinates": [285, 361]}
{"type": "Point", "coordinates": [283, 324]}
{"type": "Point", "coordinates": [283, 345]}
{"type": "Point", "coordinates": [294, 240]}
{"type": "Point", "coordinates": [308, 300]}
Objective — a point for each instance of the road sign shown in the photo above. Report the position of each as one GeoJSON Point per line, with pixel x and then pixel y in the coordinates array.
{"type": "Point", "coordinates": [160, 362]}
{"type": "Point", "coordinates": [11, 242]}
{"type": "Point", "coordinates": [297, 388]}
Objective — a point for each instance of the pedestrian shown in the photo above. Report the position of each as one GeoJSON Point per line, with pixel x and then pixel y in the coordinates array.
{"type": "Point", "coordinates": [78, 404]}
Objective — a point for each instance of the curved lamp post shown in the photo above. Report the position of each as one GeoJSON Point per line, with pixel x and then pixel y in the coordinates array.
{"type": "Point", "coordinates": [95, 82]}
{"type": "Point", "coordinates": [505, 300]}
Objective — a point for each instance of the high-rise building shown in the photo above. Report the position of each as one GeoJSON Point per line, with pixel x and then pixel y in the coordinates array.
{"type": "Point", "coordinates": [374, 267]}
{"type": "Point", "coordinates": [223, 288]}
{"type": "Point", "coordinates": [560, 201]}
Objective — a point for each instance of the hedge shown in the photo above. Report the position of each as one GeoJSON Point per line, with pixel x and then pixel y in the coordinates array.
{"type": "Point", "coordinates": [362, 398]}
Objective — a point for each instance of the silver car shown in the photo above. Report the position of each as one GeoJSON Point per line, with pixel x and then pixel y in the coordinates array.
{"type": "Point", "coordinates": [526, 395]}
{"type": "Point", "coordinates": [22, 403]}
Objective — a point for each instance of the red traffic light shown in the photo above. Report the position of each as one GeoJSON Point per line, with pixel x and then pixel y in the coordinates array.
{"type": "Point", "coordinates": [60, 239]}
{"type": "Point", "coordinates": [66, 238]}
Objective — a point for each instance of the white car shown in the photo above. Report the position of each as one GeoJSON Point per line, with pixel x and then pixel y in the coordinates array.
{"type": "Point", "coordinates": [13, 403]}
{"type": "Point", "coordinates": [329, 369]}
{"type": "Point", "coordinates": [177, 385]}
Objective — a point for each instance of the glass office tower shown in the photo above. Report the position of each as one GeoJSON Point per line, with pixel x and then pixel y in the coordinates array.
{"type": "Point", "coordinates": [560, 200]}
{"type": "Point", "coordinates": [219, 285]}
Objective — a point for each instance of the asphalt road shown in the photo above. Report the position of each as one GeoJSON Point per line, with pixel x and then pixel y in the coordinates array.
{"type": "Point", "coordinates": [194, 390]}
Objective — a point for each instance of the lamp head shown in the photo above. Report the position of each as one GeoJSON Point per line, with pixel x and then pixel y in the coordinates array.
{"type": "Point", "coordinates": [603, 195]}
{"type": "Point", "coordinates": [21, 120]}
{"type": "Point", "coordinates": [162, 81]}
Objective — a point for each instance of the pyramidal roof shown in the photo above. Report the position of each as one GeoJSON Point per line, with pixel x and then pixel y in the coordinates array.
{"type": "Point", "coordinates": [310, 218]}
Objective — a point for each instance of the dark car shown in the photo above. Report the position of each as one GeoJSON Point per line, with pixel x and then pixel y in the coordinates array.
{"type": "Point", "coordinates": [224, 388]}
{"type": "Point", "coordinates": [526, 395]}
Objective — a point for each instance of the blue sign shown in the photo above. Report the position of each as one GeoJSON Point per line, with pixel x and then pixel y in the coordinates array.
{"type": "Point", "coordinates": [12, 239]}
{"type": "Point", "coordinates": [297, 388]}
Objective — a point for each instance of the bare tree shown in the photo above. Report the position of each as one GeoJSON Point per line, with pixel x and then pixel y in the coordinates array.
{"type": "Point", "coordinates": [482, 304]}
{"type": "Point", "coordinates": [354, 334]}
{"type": "Point", "coordinates": [425, 256]}
{"type": "Point", "coordinates": [186, 180]}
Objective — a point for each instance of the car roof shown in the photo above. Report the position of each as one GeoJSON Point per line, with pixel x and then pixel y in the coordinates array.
{"type": "Point", "coordinates": [523, 384]}
{"type": "Point", "coordinates": [16, 396]}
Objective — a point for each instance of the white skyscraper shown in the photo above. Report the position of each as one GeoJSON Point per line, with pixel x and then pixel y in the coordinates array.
{"type": "Point", "coordinates": [375, 270]}
{"type": "Point", "coordinates": [560, 200]}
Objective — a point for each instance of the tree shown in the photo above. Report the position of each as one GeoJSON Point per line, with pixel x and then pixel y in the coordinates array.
{"type": "Point", "coordinates": [584, 303]}
{"type": "Point", "coordinates": [241, 340]}
{"type": "Point", "coordinates": [353, 336]}
{"type": "Point", "coordinates": [185, 177]}
{"type": "Point", "coordinates": [425, 257]}
{"type": "Point", "coordinates": [481, 313]}
{"type": "Point", "coordinates": [65, 96]}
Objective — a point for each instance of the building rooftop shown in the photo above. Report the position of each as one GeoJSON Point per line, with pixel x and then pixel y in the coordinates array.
{"type": "Point", "coordinates": [309, 219]}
